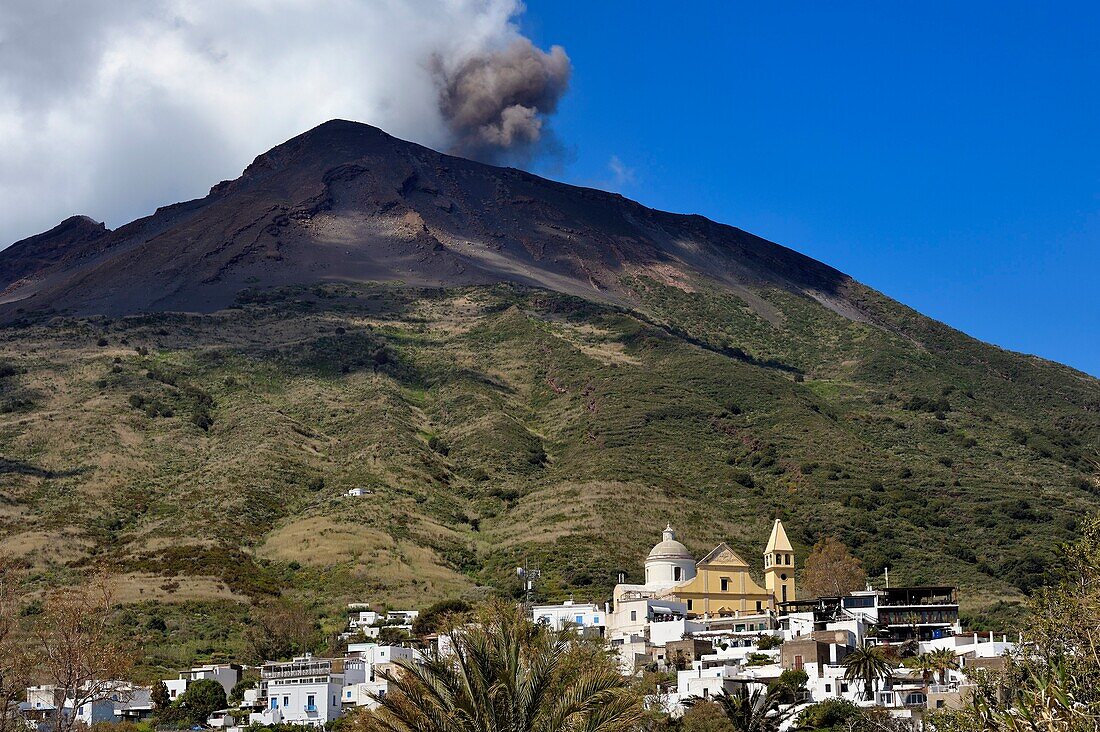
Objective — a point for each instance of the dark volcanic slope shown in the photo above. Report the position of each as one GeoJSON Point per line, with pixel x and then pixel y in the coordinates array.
{"type": "Point", "coordinates": [346, 201]}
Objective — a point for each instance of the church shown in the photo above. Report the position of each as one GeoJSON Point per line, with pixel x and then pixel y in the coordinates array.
{"type": "Point", "coordinates": [718, 585]}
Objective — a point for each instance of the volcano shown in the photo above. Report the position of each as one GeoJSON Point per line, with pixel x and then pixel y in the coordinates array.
{"type": "Point", "coordinates": [347, 202]}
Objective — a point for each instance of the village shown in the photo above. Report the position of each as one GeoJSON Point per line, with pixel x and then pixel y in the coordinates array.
{"type": "Point", "coordinates": [694, 630]}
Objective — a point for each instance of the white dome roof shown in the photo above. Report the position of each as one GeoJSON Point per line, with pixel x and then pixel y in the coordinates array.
{"type": "Point", "coordinates": [669, 548]}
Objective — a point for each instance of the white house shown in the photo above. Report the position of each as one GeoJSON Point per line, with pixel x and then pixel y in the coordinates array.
{"type": "Point", "coordinates": [220, 719]}
{"type": "Point", "coordinates": [586, 617]}
{"type": "Point", "coordinates": [306, 690]}
{"type": "Point", "coordinates": [704, 682]}
{"type": "Point", "coordinates": [376, 654]}
{"type": "Point", "coordinates": [226, 674]}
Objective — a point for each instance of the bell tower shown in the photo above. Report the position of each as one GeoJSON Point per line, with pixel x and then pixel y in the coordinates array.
{"type": "Point", "coordinates": [779, 565]}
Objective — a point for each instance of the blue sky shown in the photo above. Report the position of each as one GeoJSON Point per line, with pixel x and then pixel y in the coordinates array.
{"type": "Point", "coordinates": [946, 154]}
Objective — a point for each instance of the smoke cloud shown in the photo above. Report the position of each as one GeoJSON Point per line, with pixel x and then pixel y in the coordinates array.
{"type": "Point", "coordinates": [496, 103]}
{"type": "Point", "coordinates": [110, 108]}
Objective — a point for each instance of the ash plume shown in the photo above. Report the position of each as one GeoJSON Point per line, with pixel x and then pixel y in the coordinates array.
{"type": "Point", "coordinates": [495, 103]}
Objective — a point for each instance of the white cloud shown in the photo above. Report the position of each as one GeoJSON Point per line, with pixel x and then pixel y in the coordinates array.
{"type": "Point", "coordinates": [110, 108]}
{"type": "Point", "coordinates": [621, 175]}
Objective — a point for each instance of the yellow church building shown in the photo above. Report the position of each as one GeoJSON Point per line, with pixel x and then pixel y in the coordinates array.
{"type": "Point", "coordinates": [721, 583]}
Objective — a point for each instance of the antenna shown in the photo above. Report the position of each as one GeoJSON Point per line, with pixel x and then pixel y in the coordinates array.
{"type": "Point", "coordinates": [529, 575]}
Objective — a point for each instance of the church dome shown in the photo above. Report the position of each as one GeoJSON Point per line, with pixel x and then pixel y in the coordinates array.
{"type": "Point", "coordinates": [669, 548]}
{"type": "Point", "coordinates": [669, 562]}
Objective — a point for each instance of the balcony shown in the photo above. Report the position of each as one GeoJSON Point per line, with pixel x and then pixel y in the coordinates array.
{"type": "Point", "coordinates": [295, 671]}
{"type": "Point", "coordinates": [311, 707]}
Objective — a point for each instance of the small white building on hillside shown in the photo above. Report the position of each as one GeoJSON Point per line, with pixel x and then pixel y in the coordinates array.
{"type": "Point", "coordinates": [226, 674]}
{"type": "Point", "coordinates": [586, 617]}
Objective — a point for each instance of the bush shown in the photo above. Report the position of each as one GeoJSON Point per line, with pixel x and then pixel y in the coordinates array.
{"type": "Point", "coordinates": [829, 714]}
{"type": "Point", "coordinates": [203, 421]}
{"type": "Point", "coordinates": [766, 642]}
{"type": "Point", "coordinates": [742, 478]}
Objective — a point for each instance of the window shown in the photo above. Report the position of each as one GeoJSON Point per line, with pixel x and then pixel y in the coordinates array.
{"type": "Point", "coordinates": [787, 559]}
{"type": "Point", "coordinates": [595, 619]}
{"type": "Point", "coordinates": [311, 703]}
{"type": "Point", "coordinates": [580, 620]}
{"type": "Point", "coordinates": [828, 688]}
{"type": "Point", "coordinates": [349, 693]}
{"type": "Point", "coordinates": [783, 576]}
{"type": "Point", "coordinates": [633, 615]}
{"type": "Point", "coordinates": [274, 703]}
{"type": "Point", "coordinates": [286, 701]}
{"type": "Point", "coordinates": [784, 592]}
{"type": "Point", "coordinates": [725, 584]}
{"type": "Point", "coordinates": [759, 607]}
{"type": "Point", "coordinates": [689, 604]}
{"type": "Point", "coordinates": [676, 573]}
{"type": "Point", "coordinates": [798, 663]}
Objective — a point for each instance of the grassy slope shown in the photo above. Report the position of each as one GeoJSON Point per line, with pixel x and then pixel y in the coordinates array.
{"type": "Point", "coordinates": [495, 424]}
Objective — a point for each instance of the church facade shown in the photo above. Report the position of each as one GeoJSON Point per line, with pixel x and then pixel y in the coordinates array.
{"type": "Point", "coordinates": [721, 583]}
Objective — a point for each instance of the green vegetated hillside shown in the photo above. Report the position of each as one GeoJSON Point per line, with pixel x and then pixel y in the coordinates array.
{"type": "Point", "coordinates": [203, 460]}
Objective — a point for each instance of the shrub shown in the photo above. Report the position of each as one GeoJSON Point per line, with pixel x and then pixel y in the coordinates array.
{"type": "Point", "coordinates": [767, 641]}
{"type": "Point", "coordinates": [829, 714]}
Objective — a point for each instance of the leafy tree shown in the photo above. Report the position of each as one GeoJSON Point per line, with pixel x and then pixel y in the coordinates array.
{"type": "Point", "coordinates": [281, 629]}
{"type": "Point", "coordinates": [236, 694]}
{"type": "Point", "coordinates": [831, 571]}
{"type": "Point", "coordinates": [869, 664]}
{"type": "Point", "coordinates": [790, 682]}
{"type": "Point", "coordinates": [202, 698]}
{"type": "Point", "coordinates": [433, 618]}
{"type": "Point", "coordinates": [507, 673]}
{"type": "Point", "coordinates": [161, 699]}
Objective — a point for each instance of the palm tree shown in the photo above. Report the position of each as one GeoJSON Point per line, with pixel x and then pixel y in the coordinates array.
{"type": "Point", "coordinates": [754, 711]}
{"type": "Point", "coordinates": [868, 664]}
{"type": "Point", "coordinates": [924, 663]}
{"type": "Point", "coordinates": [507, 674]}
{"type": "Point", "coordinates": [943, 659]}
